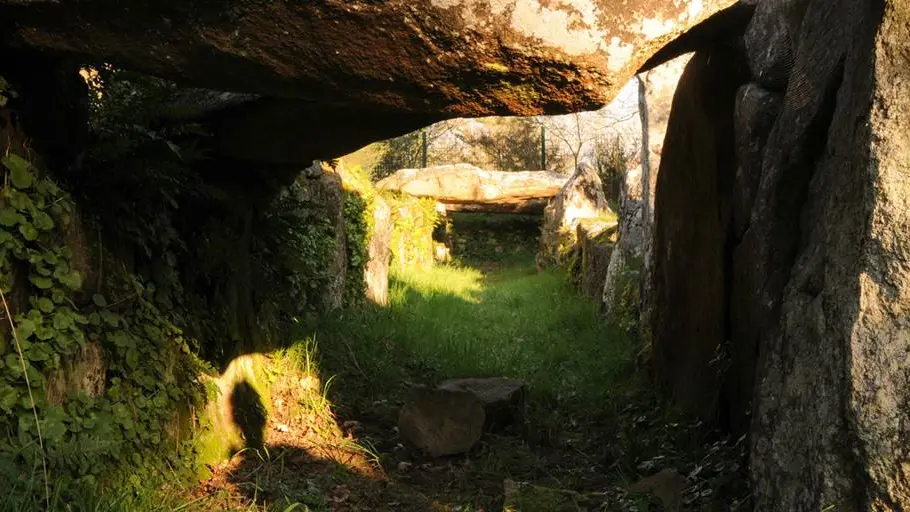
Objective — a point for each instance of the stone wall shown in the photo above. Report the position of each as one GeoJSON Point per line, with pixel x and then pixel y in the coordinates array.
{"type": "Point", "coordinates": [582, 197]}
{"type": "Point", "coordinates": [596, 243]}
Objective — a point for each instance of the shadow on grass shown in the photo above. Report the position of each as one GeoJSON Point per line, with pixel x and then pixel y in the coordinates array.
{"type": "Point", "coordinates": [280, 475]}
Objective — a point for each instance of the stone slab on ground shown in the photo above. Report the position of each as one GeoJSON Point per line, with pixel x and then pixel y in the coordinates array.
{"type": "Point", "coordinates": [667, 486]}
{"type": "Point", "coordinates": [442, 422]}
{"type": "Point", "coordinates": [502, 398]}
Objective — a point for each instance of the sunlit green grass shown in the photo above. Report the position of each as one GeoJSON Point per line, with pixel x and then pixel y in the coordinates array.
{"type": "Point", "coordinates": [457, 322]}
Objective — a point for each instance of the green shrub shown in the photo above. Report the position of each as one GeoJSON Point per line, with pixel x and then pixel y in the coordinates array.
{"type": "Point", "coordinates": [357, 227]}
{"type": "Point", "coordinates": [484, 239]}
{"type": "Point", "coordinates": [413, 221]}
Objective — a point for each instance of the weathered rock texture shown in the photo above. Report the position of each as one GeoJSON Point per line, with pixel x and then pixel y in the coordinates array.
{"type": "Point", "coordinates": [502, 398]}
{"type": "Point", "coordinates": [831, 403]}
{"type": "Point", "coordinates": [631, 241]}
{"type": "Point", "coordinates": [442, 422]}
{"type": "Point", "coordinates": [595, 246]}
{"type": "Point", "coordinates": [631, 229]}
{"type": "Point", "coordinates": [328, 76]}
{"type": "Point", "coordinates": [324, 190]}
{"type": "Point", "coordinates": [379, 250]}
{"type": "Point", "coordinates": [464, 187]}
{"type": "Point", "coordinates": [517, 56]}
{"type": "Point", "coordinates": [781, 248]}
{"type": "Point", "coordinates": [582, 197]}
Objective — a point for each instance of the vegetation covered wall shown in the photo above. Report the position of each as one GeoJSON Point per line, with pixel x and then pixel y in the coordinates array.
{"type": "Point", "coordinates": [124, 299]}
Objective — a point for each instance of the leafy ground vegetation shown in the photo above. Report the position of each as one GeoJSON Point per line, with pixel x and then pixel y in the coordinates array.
{"type": "Point", "coordinates": [591, 428]}
{"type": "Point", "coordinates": [127, 286]}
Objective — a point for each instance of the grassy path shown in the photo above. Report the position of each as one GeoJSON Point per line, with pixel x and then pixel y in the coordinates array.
{"type": "Point", "coordinates": [454, 322]}
{"type": "Point", "coordinates": [591, 427]}
{"type": "Point", "coordinates": [449, 322]}
{"type": "Point", "coordinates": [515, 322]}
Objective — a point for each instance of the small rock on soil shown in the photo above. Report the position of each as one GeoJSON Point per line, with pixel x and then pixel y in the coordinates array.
{"type": "Point", "coordinates": [442, 422]}
{"type": "Point", "coordinates": [502, 398]}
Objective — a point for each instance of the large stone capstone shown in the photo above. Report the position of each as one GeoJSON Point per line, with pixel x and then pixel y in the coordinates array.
{"type": "Point", "coordinates": [326, 77]}
{"type": "Point", "coordinates": [462, 57]}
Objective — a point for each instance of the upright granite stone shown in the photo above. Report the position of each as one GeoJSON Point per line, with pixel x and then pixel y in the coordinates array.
{"type": "Point", "coordinates": [782, 239]}
{"type": "Point", "coordinates": [691, 228]}
{"type": "Point", "coordinates": [630, 245]}
{"type": "Point", "coordinates": [833, 382]}
{"type": "Point", "coordinates": [323, 189]}
{"type": "Point", "coordinates": [379, 251]}
{"type": "Point", "coordinates": [596, 243]}
{"type": "Point", "coordinates": [582, 197]}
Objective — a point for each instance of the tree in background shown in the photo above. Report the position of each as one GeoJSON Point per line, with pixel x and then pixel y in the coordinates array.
{"type": "Point", "coordinates": [516, 143]}
{"type": "Point", "coordinates": [579, 133]}
{"type": "Point", "coordinates": [509, 144]}
{"type": "Point", "coordinates": [611, 156]}
{"type": "Point", "coordinates": [645, 153]}
{"type": "Point", "coordinates": [399, 153]}
{"type": "Point", "coordinates": [495, 143]}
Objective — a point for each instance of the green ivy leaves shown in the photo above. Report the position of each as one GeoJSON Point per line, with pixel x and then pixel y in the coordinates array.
{"type": "Point", "coordinates": [19, 171]}
{"type": "Point", "coordinates": [51, 330]}
{"type": "Point", "coordinates": [358, 214]}
{"type": "Point", "coordinates": [5, 92]}
{"type": "Point", "coordinates": [9, 217]}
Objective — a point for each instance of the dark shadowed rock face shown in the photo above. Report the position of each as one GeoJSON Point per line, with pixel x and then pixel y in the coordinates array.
{"type": "Point", "coordinates": [770, 40]}
{"type": "Point", "coordinates": [451, 57]}
{"type": "Point", "coordinates": [833, 384]}
{"type": "Point", "coordinates": [756, 110]}
{"type": "Point", "coordinates": [694, 187]}
{"type": "Point", "coordinates": [808, 288]}
{"type": "Point", "coordinates": [503, 399]}
{"type": "Point", "coordinates": [442, 421]}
